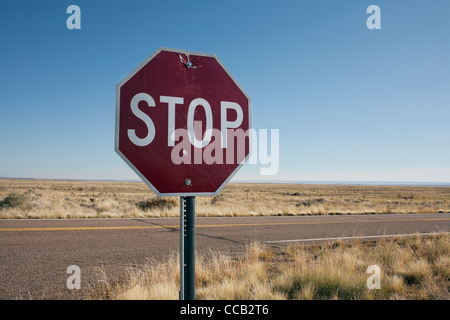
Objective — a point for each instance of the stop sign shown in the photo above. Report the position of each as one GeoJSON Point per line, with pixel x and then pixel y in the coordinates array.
{"type": "Point", "coordinates": [182, 123]}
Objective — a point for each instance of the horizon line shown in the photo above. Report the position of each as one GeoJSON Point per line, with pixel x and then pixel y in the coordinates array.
{"type": "Point", "coordinates": [335, 182]}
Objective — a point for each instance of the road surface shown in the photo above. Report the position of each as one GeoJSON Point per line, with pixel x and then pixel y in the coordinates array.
{"type": "Point", "coordinates": [35, 254]}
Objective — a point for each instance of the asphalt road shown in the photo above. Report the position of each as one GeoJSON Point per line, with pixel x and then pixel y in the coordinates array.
{"type": "Point", "coordinates": [35, 254]}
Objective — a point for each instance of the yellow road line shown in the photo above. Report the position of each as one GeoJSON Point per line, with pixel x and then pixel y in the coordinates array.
{"type": "Point", "coordinates": [84, 228]}
{"type": "Point", "coordinates": [216, 225]}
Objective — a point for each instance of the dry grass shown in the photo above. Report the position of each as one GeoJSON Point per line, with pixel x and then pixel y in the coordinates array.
{"type": "Point", "coordinates": [89, 199]}
{"type": "Point", "coordinates": [411, 268]}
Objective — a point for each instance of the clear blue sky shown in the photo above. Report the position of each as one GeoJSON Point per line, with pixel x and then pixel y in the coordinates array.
{"type": "Point", "coordinates": [350, 103]}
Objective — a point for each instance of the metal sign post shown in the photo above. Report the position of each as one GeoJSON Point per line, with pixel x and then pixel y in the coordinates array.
{"type": "Point", "coordinates": [187, 248]}
{"type": "Point", "coordinates": [181, 248]}
{"type": "Point", "coordinates": [157, 99]}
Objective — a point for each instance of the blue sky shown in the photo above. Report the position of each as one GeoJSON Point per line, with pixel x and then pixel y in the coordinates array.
{"type": "Point", "coordinates": [350, 103]}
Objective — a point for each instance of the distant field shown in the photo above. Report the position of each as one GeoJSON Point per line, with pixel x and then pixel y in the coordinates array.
{"type": "Point", "coordinates": [93, 199]}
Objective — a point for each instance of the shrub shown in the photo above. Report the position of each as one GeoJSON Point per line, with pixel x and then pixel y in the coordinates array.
{"type": "Point", "coordinates": [219, 198]}
{"type": "Point", "coordinates": [310, 202]}
{"type": "Point", "coordinates": [156, 203]}
{"type": "Point", "coordinates": [16, 200]}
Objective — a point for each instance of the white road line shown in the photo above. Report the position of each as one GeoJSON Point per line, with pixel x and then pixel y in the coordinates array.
{"type": "Point", "coordinates": [358, 237]}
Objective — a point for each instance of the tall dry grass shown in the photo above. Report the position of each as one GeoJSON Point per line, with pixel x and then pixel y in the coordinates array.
{"type": "Point", "coordinates": [411, 268]}
{"type": "Point", "coordinates": [91, 199]}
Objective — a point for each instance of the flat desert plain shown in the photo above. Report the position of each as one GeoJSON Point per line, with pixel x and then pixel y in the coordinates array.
{"type": "Point", "coordinates": [97, 199]}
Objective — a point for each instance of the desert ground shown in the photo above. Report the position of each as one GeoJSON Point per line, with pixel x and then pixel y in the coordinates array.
{"type": "Point", "coordinates": [95, 199]}
{"type": "Point", "coordinates": [413, 267]}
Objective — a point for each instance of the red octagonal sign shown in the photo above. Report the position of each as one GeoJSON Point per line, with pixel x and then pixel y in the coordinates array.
{"type": "Point", "coordinates": [182, 123]}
